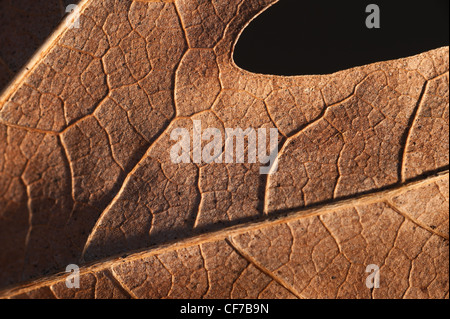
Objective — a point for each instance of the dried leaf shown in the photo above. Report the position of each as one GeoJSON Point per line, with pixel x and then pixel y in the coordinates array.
{"type": "Point", "coordinates": [86, 174]}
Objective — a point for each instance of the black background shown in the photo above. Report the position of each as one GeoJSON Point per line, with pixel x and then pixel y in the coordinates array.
{"type": "Point", "coordinates": [296, 37]}
{"type": "Point", "coordinates": [278, 309]}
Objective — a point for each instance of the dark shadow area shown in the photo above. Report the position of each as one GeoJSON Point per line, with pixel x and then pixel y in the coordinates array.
{"type": "Point", "coordinates": [319, 37]}
{"type": "Point", "coordinates": [24, 27]}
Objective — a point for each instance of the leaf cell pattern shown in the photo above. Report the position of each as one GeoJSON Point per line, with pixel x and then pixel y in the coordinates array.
{"type": "Point", "coordinates": [86, 175]}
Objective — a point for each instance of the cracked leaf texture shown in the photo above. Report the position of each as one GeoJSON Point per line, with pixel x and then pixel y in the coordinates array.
{"type": "Point", "coordinates": [86, 176]}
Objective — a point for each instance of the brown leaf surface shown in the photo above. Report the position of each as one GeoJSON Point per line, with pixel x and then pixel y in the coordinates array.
{"type": "Point", "coordinates": [86, 175]}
